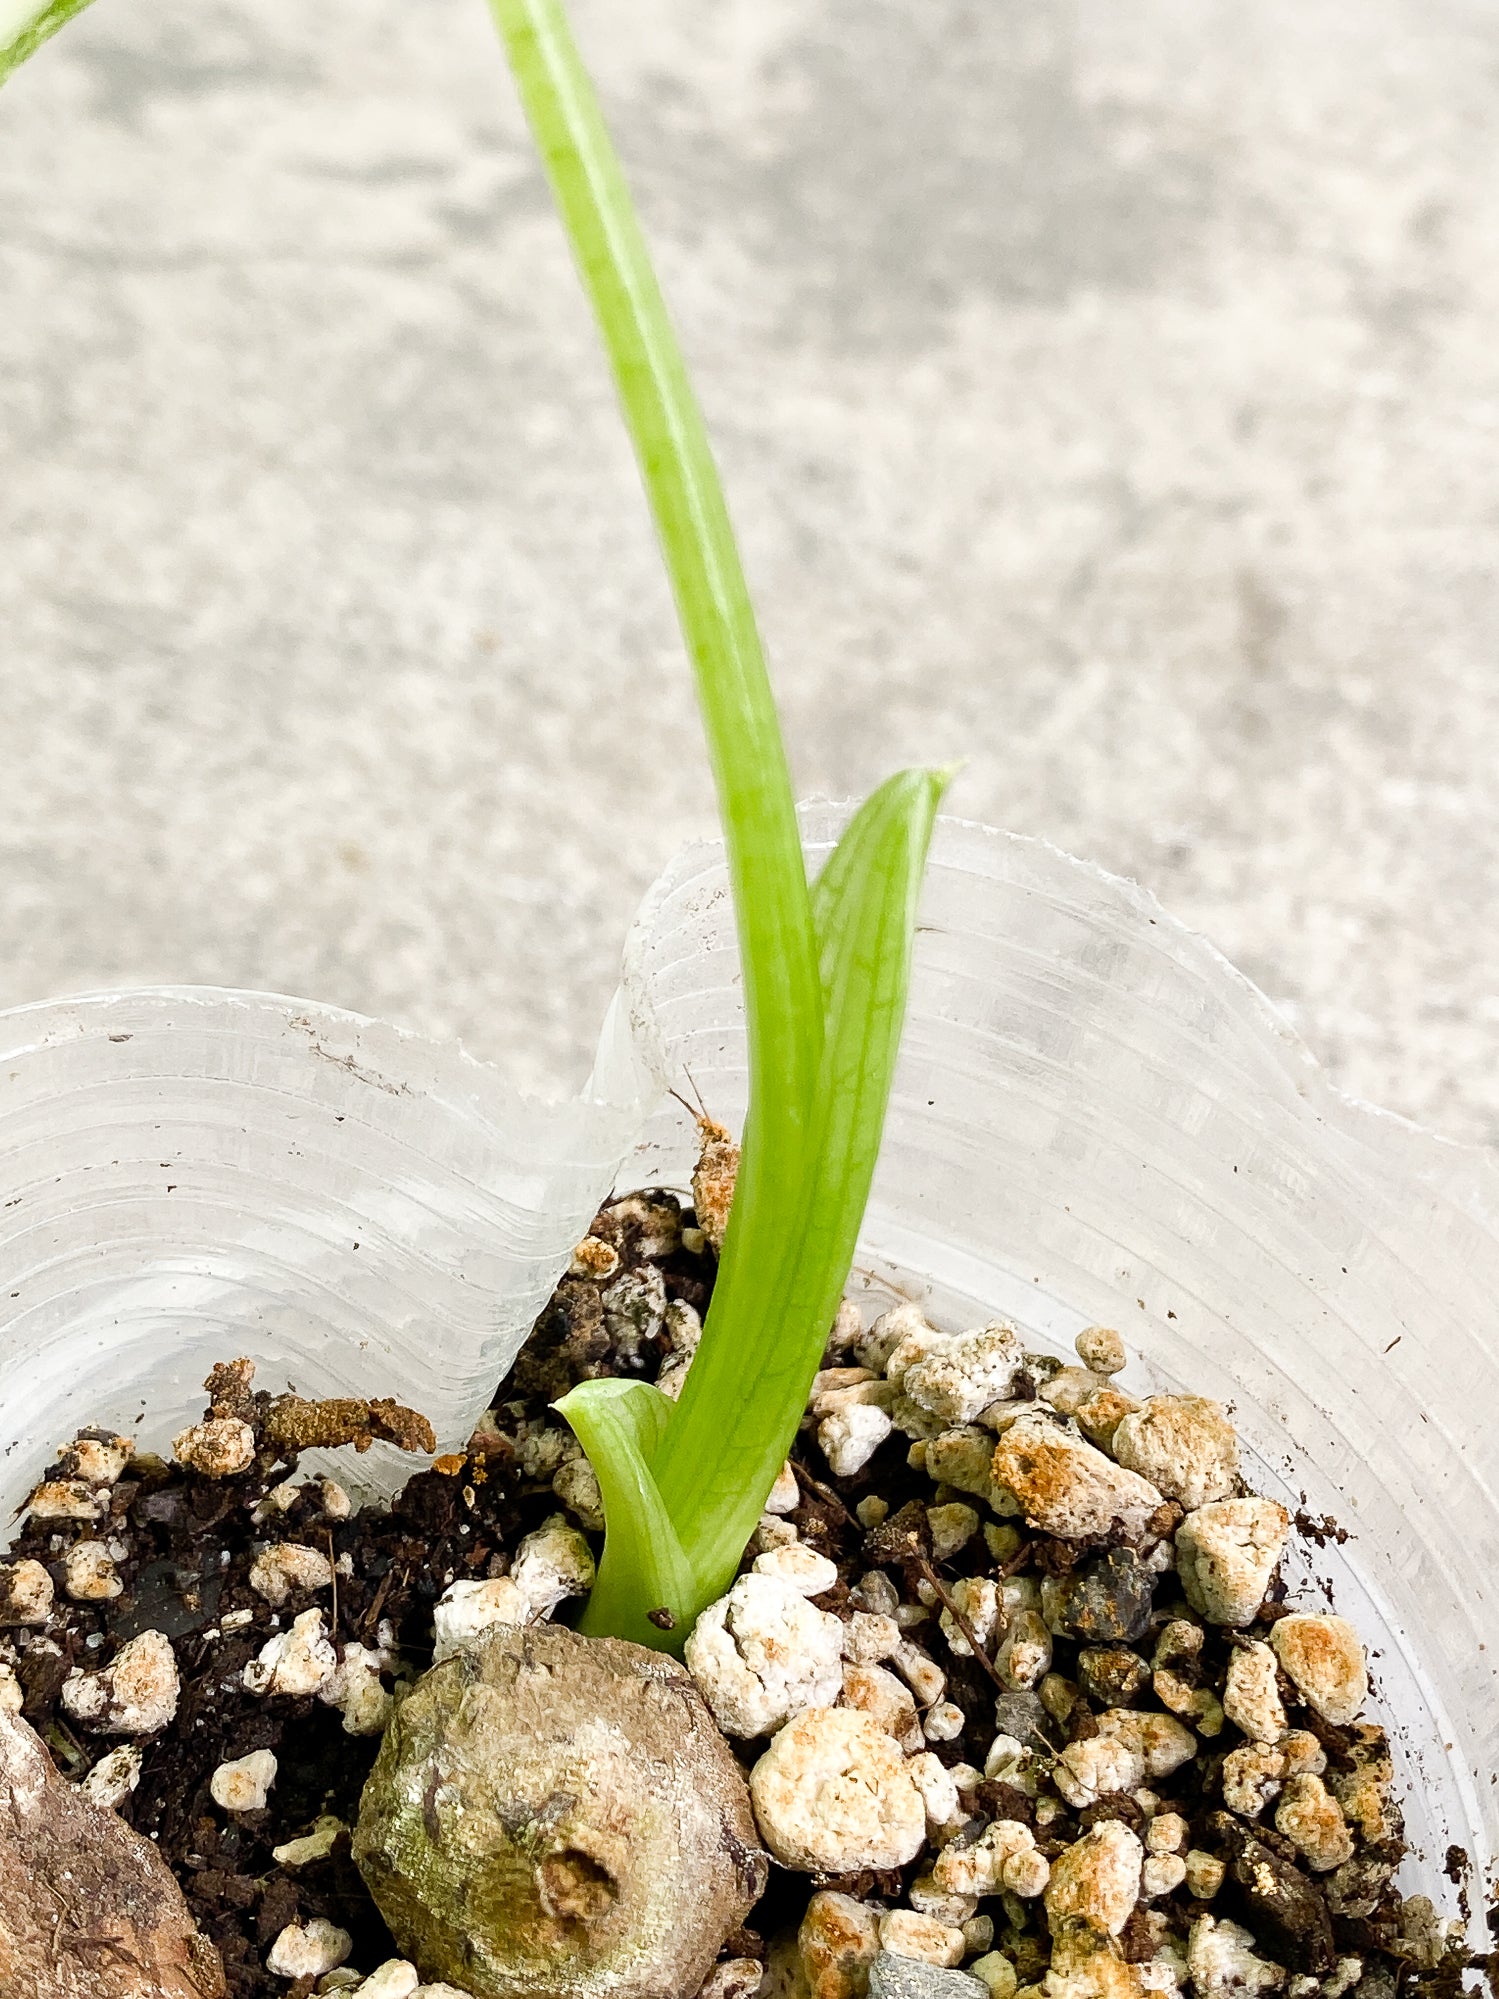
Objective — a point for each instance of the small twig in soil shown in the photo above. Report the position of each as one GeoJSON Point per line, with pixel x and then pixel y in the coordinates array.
{"type": "Point", "coordinates": [949, 1604]}
{"type": "Point", "coordinates": [333, 1564]}
{"type": "Point", "coordinates": [825, 1492]}
{"type": "Point", "coordinates": [372, 1615]}
{"type": "Point", "coordinates": [62, 1910]}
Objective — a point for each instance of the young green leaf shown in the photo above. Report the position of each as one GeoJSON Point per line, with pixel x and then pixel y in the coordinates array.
{"type": "Point", "coordinates": [756, 802]}
{"type": "Point", "coordinates": [825, 973]}
{"type": "Point", "coordinates": [713, 1474]}
{"type": "Point", "coordinates": [26, 24]}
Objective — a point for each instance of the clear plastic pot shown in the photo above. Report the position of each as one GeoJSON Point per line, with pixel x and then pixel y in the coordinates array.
{"type": "Point", "coordinates": [1096, 1119]}
{"type": "Point", "coordinates": [191, 1174]}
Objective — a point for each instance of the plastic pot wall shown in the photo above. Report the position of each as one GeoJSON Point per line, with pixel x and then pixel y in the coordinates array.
{"type": "Point", "coordinates": [1096, 1119]}
{"type": "Point", "coordinates": [187, 1175]}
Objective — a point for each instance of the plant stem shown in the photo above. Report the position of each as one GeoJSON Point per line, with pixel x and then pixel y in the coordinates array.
{"type": "Point", "coordinates": [26, 24]}
{"type": "Point", "coordinates": [756, 801]}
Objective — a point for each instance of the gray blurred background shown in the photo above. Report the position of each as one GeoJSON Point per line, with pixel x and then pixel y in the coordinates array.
{"type": "Point", "coordinates": [1108, 394]}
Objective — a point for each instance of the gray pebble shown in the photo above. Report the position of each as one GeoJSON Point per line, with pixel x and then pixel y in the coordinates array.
{"type": "Point", "coordinates": [892, 1977]}
{"type": "Point", "coordinates": [1107, 1602]}
{"type": "Point", "coordinates": [1018, 1712]}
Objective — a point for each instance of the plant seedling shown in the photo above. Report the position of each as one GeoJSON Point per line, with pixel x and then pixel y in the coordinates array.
{"type": "Point", "coordinates": [826, 965]}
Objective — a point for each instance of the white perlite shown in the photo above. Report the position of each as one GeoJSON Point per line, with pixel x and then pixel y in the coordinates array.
{"type": "Point", "coordinates": [1011, 1762]}
{"type": "Point", "coordinates": [1204, 1876]}
{"type": "Point", "coordinates": [904, 1933]}
{"type": "Point", "coordinates": [308, 1950]}
{"type": "Point", "coordinates": [761, 1653]}
{"type": "Point", "coordinates": [67, 1499]}
{"type": "Point", "coordinates": [1024, 1659]}
{"type": "Point", "coordinates": [299, 1661]}
{"type": "Point", "coordinates": [1252, 1776]}
{"type": "Point", "coordinates": [355, 1687]}
{"type": "Point", "coordinates": [395, 1979]}
{"type": "Point", "coordinates": [1004, 1856]}
{"type": "Point", "coordinates": [1223, 1964]}
{"type": "Point", "coordinates": [1162, 1874]}
{"type": "Point", "coordinates": [1184, 1444]}
{"type": "Point", "coordinates": [1324, 1657]}
{"type": "Point", "coordinates": [90, 1575]}
{"type": "Point", "coordinates": [136, 1694]}
{"type": "Point", "coordinates": [244, 1784]}
{"type": "Point", "coordinates": [850, 1436]}
{"type": "Point", "coordinates": [1070, 1387]}
{"type": "Point", "coordinates": [978, 1602]}
{"type": "Point", "coordinates": [1100, 1350]}
{"type": "Point", "coordinates": [800, 1568]}
{"type": "Point", "coordinates": [837, 1942]}
{"type": "Point", "coordinates": [114, 1777]}
{"type": "Point", "coordinates": [289, 1569]}
{"type": "Point", "coordinates": [887, 1703]}
{"type": "Point", "coordinates": [1251, 1697]}
{"type": "Point", "coordinates": [97, 1457]}
{"type": "Point", "coordinates": [1226, 1553]}
{"type": "Point", "coordinates": [26, 1593]}
{"type": "Point", "coordinates": [553, 1563]}
{"type": "Point", "coordinates": [833, 1794]}
{"type": "Point", "coordinates": [919, 1343]}
{"type": "Point", "coordinates": [634, 1309]}
{"type": "Point", "coordinates": [938, 1791]}
{"type": "Point", "coordinates": [1066, 1486]}
{"type": "Point", "coordinates": [466, 1611]}
{"type": "Point", "coordinates": [1097, 1880]}
{"type": "Point", "coordinates": [222, 1447]}
{"type": "Point", "coordinates": [869, 1637]}
{"type": "Point", "coordinates": [843, 1387]}
{"type": "Point", "coordinates": [964, 1375]}
{"type": "Point", "coordinates": [1312, 1819]}
{"type": "Point", "coordinates": [944, 1722]}
{"type": "Point", "coordinates": [964, 1458]}
{"type": "Point", "coordinates": [331, 1496]}
{"type": "Point", "coordinates": [846, 1329]}
{"type": "Point", "coordinates": [921, 1673]}
{"type": "Point", "coordinates": [874, 1346]}
{"type": "Point", "coordinates": [1098, 1767]}
{"type": "Point", "coordinates": [1130, 1747]}
{"type": "Point", "coordinates": [576, 1484]}
{"type": "Point", "coordinates": [314, 1845]}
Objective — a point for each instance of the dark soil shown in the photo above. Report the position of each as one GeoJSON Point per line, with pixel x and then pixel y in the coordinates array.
{"type": "Point", "coordinates": [189, 1542]}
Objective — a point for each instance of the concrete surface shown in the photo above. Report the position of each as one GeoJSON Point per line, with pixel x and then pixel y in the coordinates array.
{"type": "Point", "coordinates": [1107, 394]}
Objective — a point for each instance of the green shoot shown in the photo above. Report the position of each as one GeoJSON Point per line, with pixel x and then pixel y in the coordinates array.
{"type": "Point", "coordinates": [26, 24]}
{"type": "Point", "coordinates": [825, 967]}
